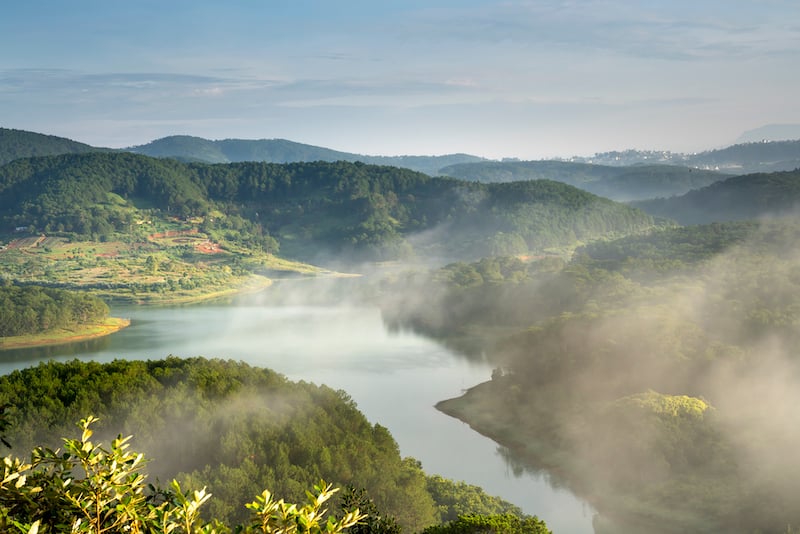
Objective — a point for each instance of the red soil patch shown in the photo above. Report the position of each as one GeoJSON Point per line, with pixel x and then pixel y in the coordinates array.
{"type": "Point", "coordinates": [207, 247]}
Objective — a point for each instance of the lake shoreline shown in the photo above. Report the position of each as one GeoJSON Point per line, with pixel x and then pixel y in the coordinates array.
{"type": "Point", "coordinates": [478, 408]}
{"type": "Point", "coordinates": [107, 327]}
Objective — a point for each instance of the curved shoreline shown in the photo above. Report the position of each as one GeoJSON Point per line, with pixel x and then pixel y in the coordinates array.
{"type": "Point", "coordinates": [477, 408]}
{"type": "Point", "coordinates": [109, 326]}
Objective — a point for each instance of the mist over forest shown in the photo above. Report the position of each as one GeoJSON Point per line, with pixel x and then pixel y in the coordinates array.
{"type": "Point", "coordinates": [641, 321]}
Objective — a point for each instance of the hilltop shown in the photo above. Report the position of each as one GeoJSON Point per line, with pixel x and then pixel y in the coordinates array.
{"type": "Point", "coordinates": [188, 148]}
{"type": "Point", "coordinates": [16, 144]}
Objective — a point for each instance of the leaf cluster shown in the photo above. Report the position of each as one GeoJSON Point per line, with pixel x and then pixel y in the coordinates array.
{"type": "Point", "coordinates": [93, 489]}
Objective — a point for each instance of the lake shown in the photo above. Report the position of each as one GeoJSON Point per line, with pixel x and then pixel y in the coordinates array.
{"type": "Point", "coordinates": [395, 377]}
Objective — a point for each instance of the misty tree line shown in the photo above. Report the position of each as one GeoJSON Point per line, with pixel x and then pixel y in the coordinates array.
{"type": "Point", "coordinates": [655, 373]}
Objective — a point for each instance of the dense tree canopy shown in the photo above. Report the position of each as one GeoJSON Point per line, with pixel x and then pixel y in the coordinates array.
{"type": "Point", "coordinates": [736, 199]}
{"type": "Point", "coordinates": [95, 489]}
{"type": "Point", "coordinates": [31, 309]}
{"type": "Point", "coordinates": [372, 211]}
{"type": "Point", "coordinates": [232, 428]}
{"type": "Point", "coordinates": [16, 144]}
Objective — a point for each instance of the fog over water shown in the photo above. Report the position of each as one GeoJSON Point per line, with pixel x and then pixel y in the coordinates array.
{"type": "Point", "coordinates": [395, 377]}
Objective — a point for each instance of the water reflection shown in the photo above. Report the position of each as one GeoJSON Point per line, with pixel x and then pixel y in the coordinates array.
{"type": "Point", "coordinates": [34, 355]}
{"type": "Point", "coordinates": [394, 375]}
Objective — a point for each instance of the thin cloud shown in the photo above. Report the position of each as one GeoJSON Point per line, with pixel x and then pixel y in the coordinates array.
{"type": "Point", "coordinates": [615, 27]}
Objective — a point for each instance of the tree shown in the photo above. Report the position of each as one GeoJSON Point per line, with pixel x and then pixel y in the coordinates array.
{"type": "Point", "coordinates": [375, 522]}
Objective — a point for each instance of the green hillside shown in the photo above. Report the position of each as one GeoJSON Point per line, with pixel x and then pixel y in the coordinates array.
{"type": "Point", "coordinates": [739, 198]}
{"type": "Point", "coordinates": [614, 182]}
{"type": "Point", "coordinates": [364, 211]}
{"type": "Point", "coordinates": [234, 429]}
{"type": "Point", "coordinates": [15, 144]}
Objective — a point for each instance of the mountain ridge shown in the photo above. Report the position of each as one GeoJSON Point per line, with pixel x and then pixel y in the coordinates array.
{"type": "Point", "coordinates": [738, 159]}
{"type": "Point", "coordinates": [278, 150]}
{"type": "Point", "coordinates": [750, 196]}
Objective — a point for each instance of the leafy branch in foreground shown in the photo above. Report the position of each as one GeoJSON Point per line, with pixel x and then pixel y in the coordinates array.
{"type": "Point", "coordinates": [92, 489]}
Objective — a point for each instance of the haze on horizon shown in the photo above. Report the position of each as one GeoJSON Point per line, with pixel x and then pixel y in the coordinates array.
{"type": "Point", "coordinates": [515, 78]}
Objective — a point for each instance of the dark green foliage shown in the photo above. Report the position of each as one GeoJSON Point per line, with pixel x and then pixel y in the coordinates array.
{"type": "Point", "coordinates": [455, 499]}
{"type": "Point", "coordinates": [225, 425]}
{"type": "Point", "coordinates": [93, 488]}
{"type": "Point", "coordinates": [16, 144]}
{"type": "Point", "coordinates": [375, 522]}
{"type": "Point", "coordinates": [363, 211]}
{"type": "Point", "coordinates": [491, 524]}
{"type": "Point", "coordinates": [71, 193]}
{"type": "Point", "coordinates": [735, 199]}
{"type": "Point", "coordinates": [31, 310]}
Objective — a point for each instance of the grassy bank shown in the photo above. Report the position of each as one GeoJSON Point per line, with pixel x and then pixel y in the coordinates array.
{"type": "Point", "coordinates": [58, 337]}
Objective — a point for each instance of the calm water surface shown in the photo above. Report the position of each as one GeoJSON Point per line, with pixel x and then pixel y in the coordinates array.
{"type": "Point", "coordinates": [396, 378]}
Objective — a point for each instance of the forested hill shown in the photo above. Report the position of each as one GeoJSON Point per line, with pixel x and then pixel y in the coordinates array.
{"type": "Point", "coordinates": [188, 148]}
{"type": "Point", "coordinates": [738, 198]}
{"type": "Point", "coordinates": [15, 144]}
{"type": "Point", "coordinates": [618, 183]}
{"type": "Point", "coordinates": [236, 430]}
{"type": "Point", "coordinates": [363, 210]}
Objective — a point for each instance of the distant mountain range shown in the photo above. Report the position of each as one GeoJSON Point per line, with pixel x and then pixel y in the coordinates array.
{"type": "Point", "coordinates": [635, 182]}
{"type": "Point", "coordinates": [770, 132]}
{"type": "Point", "coordinates": [16, 144]}
{"type": "Point", "coordinates": [745, 158]}
{"type": "Point", "coordinates": [623, 176]}
{"type": "Point", "coordinates": [187, 148]}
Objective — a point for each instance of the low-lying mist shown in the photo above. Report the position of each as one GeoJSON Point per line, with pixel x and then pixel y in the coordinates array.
{"type": "Point", "coordinates": [659, 378]}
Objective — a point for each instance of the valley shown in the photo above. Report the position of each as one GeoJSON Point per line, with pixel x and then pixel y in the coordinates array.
{"type": "Point", "coordinates": [620, 351]}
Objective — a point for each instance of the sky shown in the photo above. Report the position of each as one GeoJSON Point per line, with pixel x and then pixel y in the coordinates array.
{"type": "Point", "coordinates": [516, 78]}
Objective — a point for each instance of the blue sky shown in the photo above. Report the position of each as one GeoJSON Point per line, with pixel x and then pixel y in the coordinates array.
{"type": "Point", "coordinates": [515, 78]}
